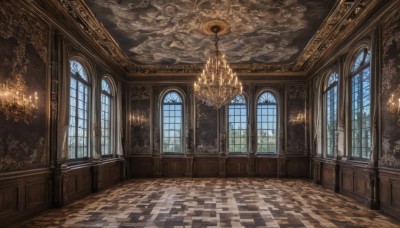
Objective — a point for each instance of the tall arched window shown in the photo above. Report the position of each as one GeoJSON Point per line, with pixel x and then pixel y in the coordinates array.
{"type": "Point", "coordinates": [331, 113]}
{"type": "Point", "coordinates": [78, 133]}
{"type": "Point", "coordinates": [360, 109]}
{"type": "Point", "coordinates": [267, 123]}
{"type": "Point", "coordinates": [172, 123]}
{"type": "Point", "coordinates": [106, 101]}
{"type": "Point", "coordinates": [237, 125]}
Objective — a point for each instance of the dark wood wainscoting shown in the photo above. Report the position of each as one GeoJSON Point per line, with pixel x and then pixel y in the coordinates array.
{"type": "Point", "coordinates": [218, 166]}
{"type": "Point", "coordinates": [266, 167]}
{"type": "Point", "coordinates": [77, 182]}
{"type": "Point", "coordinates": [237, 166]}
{"type": "Point", "coordinates": [358, 181]}
{"type": "Point", "coordinates": [140, 167]}
{"type": "Point", "coordinates": [173, 166]}
{"type": "Point", "coordinates": [389, 191]}
{"type": "Point", "coordinates": [24, 194]}
{"type": "Point", "coordinates": [81, 180]}
{"type": "Point", "coordinates": [111, 172]}
{"type": "Point", "coordinates": [297, 167]}
{"type": "Point", "coordinates": [206, 166]}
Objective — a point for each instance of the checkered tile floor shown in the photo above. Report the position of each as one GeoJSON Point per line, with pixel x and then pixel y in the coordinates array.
{"type": "Point", "coordinates": [230, 202]}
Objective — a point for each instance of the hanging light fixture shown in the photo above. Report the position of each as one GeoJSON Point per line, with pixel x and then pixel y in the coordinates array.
{"type": "Point", "coordinates": [217, 85]}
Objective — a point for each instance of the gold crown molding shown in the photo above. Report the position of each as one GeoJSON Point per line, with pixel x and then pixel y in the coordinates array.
{"type": "Point", "coordinates": [86, 20]}
{"type": "Point", "coordinates": [343, 21]}
{"type": "Point", "coordinates": [26, 29]}
{"type": "Point", "coordinates": [197, 68]}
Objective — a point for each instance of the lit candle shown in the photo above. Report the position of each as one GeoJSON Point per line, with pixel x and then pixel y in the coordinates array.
{"type": "Point", "coordinates": [398, 108]}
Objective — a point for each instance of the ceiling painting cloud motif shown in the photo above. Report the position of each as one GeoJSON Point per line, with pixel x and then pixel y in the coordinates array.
{"type": "Point", "coordinates": [168, 32]}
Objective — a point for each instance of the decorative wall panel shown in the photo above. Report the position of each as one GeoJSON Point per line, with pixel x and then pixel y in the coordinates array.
{"type": "Point", "coordinates": [296, 134]}
{"type": "Point", "coordinates": [139, 120]}
{"type": "Point", "coordinates": [206, 129]}
{"type": "Point", "coordinates": [23, 45]}
{"type": "Point", "coordinates": [390, 155]}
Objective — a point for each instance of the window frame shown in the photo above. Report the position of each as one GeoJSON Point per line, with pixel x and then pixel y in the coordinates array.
{"type": "Point", "coordinates": [87, 84]}
{"type": "Point", "coordinates": [277, 124]}
{"type": "Point", "coordinates": [183, 107]}
{"type": "Point", "coordinates": [246, 104]}
{"type": "Point", "coordinates": [351, 75]}
{"type": "Point", "coordinates": [325, 90]}
{"type": "Point", "coordinates": [111, 96]}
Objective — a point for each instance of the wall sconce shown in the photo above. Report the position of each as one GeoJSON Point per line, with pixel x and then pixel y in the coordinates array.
{"type": "Point", "coordinates": [298, 119]}
{"type": "Point", "coordinates": [394, 107]}
{"type": "Point", "coordinates": [138, 119]}
{"type": "Point", "coordinates": [15, 103]}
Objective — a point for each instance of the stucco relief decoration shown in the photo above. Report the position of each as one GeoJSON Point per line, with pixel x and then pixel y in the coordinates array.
{"type": "Point", "coordinates": [390, 155]}
{"type": "Point", "coordinates": [170, 33]}
{"type": "Point", "coordinates": [23, 45]}
{"type": "Point", "coordinates": [139, 120]}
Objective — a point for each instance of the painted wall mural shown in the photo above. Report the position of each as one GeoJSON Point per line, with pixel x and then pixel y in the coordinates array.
{"type": "Point", "coordinates": [390, 156]}
{"type": "Point", "coordinates": [139, 120]}
{"type": "Point", "coordinates": [171, 32]}
{"type": "Point", "coordinates": [296, 135]}
{"type": "Point", "coordinates": [206, 129]}
{"type": "Point", "coordinates": [23, 45]}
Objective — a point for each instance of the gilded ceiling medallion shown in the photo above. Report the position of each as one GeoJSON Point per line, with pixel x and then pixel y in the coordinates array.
{"type": "Point", "coordinates": [208, 27]}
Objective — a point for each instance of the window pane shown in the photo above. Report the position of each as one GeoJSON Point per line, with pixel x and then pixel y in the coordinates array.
{"type": "Point", "coordinates": [331, 115]}
{"type": "Point", "coordinates": [172, 117]}
{"type": "Point", "coordinates": [360, 107]}
{"type": "Point", "coordinates": [267, 123]}
{"type": "Point", "coordinates": [78, 112]}
{"type": "Point", "coordinates": [237, 125]}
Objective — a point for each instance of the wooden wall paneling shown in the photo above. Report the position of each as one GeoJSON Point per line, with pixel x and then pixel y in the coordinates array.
{"type": "Point", "coordinates": [297, 167]}
{"type": "Point", "coordinates": [389, 191]}
{"type": "Point", "coordinates": [8, 200]}
{"type": "Point", "coordinates": [79, 183]}
{"type": "Point", "coordinates": [237, 166]}
{"type": "Point", "coordinates": [266, 167]}
{"type": "Point", "coordinates": [359, 184]}
{"type": "Point", "coordinates": [24, 194]}
{"type": "Point", "coordinates": [173, 167]}
{"type": "Point", "coordinates": [206, 166]}
{"type": "Point", "coordinates": [141, 167]}
{"type": "Point", "coordinates": [327, 175]}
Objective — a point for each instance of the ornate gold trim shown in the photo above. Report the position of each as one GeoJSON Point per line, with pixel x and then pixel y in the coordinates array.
{"type": "Point", "coordinates": [86, 20]}
{"type": "Point", "coordinates": [343, 20]}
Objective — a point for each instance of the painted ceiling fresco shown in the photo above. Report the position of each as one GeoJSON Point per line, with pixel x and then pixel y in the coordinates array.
{"type": "Point", "coordinates": [168, 32]}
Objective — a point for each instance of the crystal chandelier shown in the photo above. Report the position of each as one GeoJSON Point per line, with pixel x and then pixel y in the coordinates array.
{"type": "Point", "coordinates": [15, 103]}
{"type": "Point", "coordinates": [217, 85]}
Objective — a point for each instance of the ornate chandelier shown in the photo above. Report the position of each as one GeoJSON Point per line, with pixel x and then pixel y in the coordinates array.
{"type": "Point", "coordinates": [217, 85]}
{"type": "Point", "coordinates": [15, 103]}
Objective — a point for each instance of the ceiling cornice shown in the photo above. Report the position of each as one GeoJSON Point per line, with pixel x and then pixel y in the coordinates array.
{"type": "Point", "coordinates": [342, 20]}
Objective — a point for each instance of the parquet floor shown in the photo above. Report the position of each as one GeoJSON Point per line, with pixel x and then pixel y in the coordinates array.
{"type": "Point", "coordinates": [208, 202]}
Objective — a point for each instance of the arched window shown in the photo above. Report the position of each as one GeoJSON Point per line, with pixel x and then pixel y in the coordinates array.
{"type": "Point", "coordinates": [78, 133]}
{"type": "Point", "coordinates": [267, 123]}
{"type": "Point", "coordinates": [360, 105]}
{"type": "Point", "coordinates": [330, 113]}
{"type": "Point", "coordinates": [106, 101]}
{"type": "Point", "coordinates": [237, 125]}
{"type": "Point", "coordinates": [172, 123]}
